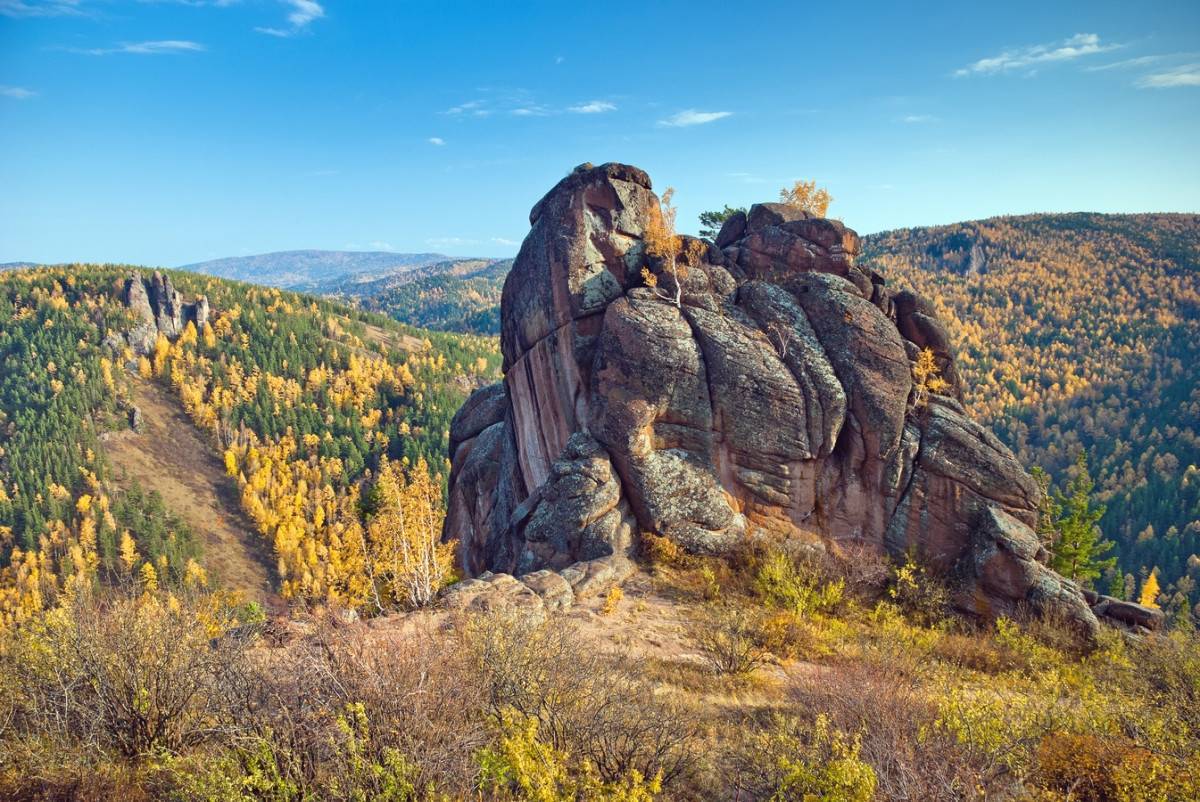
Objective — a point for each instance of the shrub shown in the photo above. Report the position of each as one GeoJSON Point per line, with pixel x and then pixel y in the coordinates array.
{"type": "Point", "coordinates": [660, 550]}
{"type": "Point", "coordinates": [886, 704]}
{"type": "Point", "coordinates": [611, 600]}
{"type": "Point", "coordinates": [784, 582]}
{"type": "Point", "coordinates": [592, 706]}
{"type": "Point", "coordinates": [920, 596]}
{"type": "Point", "coordinates": [1094, 769]}
{"type": "Point", "coordinates": [731, 638]}
{"type": "Point", "coordinates": [522, 766]}
{"type": "Point", "coordinates": [128, 677]}
{"type": "Point", "coordinates": [790, 759]}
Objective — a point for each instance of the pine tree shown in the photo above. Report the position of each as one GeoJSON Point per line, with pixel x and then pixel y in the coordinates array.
{"type": "Point", "coordinates": [1078, 549]}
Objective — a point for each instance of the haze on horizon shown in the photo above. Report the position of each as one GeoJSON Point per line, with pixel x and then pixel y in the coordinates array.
{"type": "Point", "coordinates": [175, 131]}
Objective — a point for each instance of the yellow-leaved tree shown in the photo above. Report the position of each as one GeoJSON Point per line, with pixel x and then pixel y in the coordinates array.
{"type": "Point", "coordinates": [926, 377]}
{"type": "Point", "coordinates": [662, 242]}
{"type": "Point", "coordinates": [405, 558]}
{"type": "Point", "coordinates": [808, 197]}
{"type": "Point", "coordinates": [1150, 590]}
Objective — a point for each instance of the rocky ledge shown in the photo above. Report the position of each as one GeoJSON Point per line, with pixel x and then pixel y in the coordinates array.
{"type": "Point", "coordinates": [776, 400]}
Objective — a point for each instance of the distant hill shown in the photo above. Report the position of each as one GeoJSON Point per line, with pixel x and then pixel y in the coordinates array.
{"type": "Point", "coordinates": [461, 296]}
{"type": "Point", "coordinates": [308, 270]}
{"type": "Point", "coordinates": [16, 265]}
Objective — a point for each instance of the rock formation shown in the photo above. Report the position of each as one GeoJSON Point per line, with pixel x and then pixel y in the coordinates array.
{"type": "Point", "coordinates": [776, 401]}
{"type": "Point", "coordinates": [159, 308]}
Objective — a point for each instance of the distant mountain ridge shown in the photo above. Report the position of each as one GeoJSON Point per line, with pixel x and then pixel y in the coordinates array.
{"type": "Point", "coordinates": [308, 270]}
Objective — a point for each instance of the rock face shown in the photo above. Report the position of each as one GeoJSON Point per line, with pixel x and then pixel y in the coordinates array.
{"type": "Point", "coordinates": [159, 308]}
{"type": "Point", "coordinates": [777, 400]}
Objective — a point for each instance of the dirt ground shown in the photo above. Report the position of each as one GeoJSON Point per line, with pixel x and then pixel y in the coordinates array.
{"type": "Point", "coordinates": [170, 456]}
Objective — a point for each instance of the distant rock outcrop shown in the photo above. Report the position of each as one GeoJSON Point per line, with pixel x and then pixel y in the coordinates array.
{"type": "Point", "coordinates": [776, 401]}
{"type": "Point", "coordinates": [159, 308]}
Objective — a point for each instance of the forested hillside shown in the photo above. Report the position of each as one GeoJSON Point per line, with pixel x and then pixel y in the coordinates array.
{"type": "Point", "coordinates": [464, 297]}
{"type": "Point", "coordinates": [1081, 332]}
{"type": "Point", "coordinates": [302, 397]}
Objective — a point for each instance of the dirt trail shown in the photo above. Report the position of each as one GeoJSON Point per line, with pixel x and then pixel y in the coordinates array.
{"type": "Point", "coordinates": [170, 456]}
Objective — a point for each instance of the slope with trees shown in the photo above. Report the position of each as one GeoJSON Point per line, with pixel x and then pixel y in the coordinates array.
{"type": "Point", "coordinates": [1080, 333]}
{"type": "Point", "coordinates": [304, 400]}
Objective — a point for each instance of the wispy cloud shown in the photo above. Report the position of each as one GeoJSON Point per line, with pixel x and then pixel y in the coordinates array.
{"type": "Point", "coordinates": [475, 108]}
{"type": "Point", "coordinates": [593, 107]}
{"type": "Point", "coordinates": [450, 242]}
{"type": "Point", "coordinates": [693, 117]}
{"type": "Point", "coordinates": [530, 111]}
{"type": "Point", "coordinates": [380, 245]}
{"type": "Point", "coordinates": [159, 47]}
{"type": "Point", "coordinates": [302, 13]}
{"type": "Point", "coordinates": [17, 92]}
{"type": "Point", "coordinates": [40, 8]}
{"type": "Point", "coordinates": [1078, 46]}
{"type": "Point", "coordinates": [1129, 63]}
{"type": "Point", "coordinates": [437, 140]}
{"type": "Point", "coordinates": [506, 242]}
{"type": "Point", "coordinates": [1185, 75]}
{"type": "Point", "coordinates": [918, 119]}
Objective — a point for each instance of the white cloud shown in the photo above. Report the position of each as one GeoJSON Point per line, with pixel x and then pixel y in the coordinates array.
{"type": "Point", "coordinates": [1140, 61]}
{"type": "Point", "coordinates": [155, 48]}
{"type": "Point", "coordinates": [693, 117]}
{"type": "Point", "coordinates": [1078, 46]}
{"type": "Point", "coordinates": [39, 8]}
{"type": "Point", "coordinates": [530, 111]}
{"type": "Point", "coordinates": [437, 140]}
{"type": "Point", "coordinates": [916, 119]}
{"type": "Point", "coordinates": [462, 108]}
{"type": "Point", "coordinates": [1186, 75]}
{"type": "Point", "coordinates": [380, 245]}
{"type": "Point", "coordinates": [593, 107]}
{"type": "Point", "coordinates": [503, 241]}
{"type": "Point", "coordinates": [302, 13]}
{"type": "Point", "coordinates": [449, 242]}
{"type": "Point", "coordinates": [17, 92]}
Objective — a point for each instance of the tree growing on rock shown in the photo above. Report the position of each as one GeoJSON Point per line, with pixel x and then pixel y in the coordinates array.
{"type": "Point", "coordinates": [662, 242]}
{"type": "Point", "coordinates": [808, 197]}
{"type": "Point", "coordinates": [926, 377]}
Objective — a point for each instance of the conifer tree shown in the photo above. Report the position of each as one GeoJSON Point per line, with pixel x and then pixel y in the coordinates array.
{"type": "Point", "coordinates": [1078, 549]}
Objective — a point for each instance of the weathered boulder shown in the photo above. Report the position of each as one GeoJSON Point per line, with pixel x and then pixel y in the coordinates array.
{"type": "Point", "coordinates": [776, 400]}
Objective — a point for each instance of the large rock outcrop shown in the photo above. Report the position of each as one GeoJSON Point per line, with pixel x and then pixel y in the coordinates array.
{"type": "Point", "coordinates": [776, 400]}
{"type": "Point", "coordinates": [158, 307]}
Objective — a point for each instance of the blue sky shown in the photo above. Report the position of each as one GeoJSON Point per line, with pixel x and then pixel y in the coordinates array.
{"type": "Point", "coordinates": [167, 132]}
